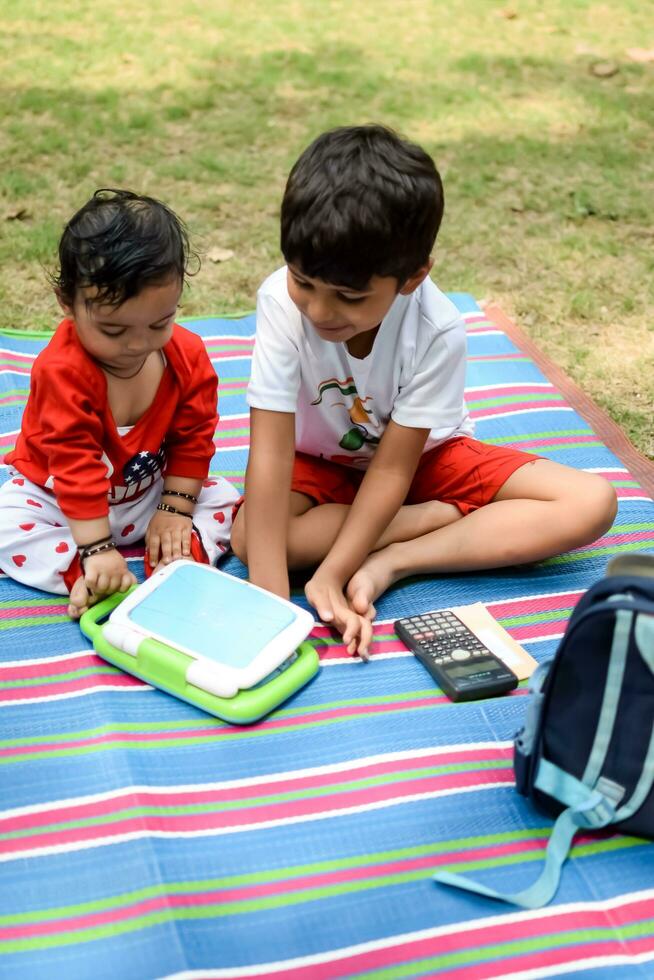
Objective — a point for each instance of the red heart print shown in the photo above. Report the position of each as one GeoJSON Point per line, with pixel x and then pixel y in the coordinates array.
{"type": "Point", "coordinates": [210, 483]}
{"type": "Point", "coordinates": [127, 530]}
{"type": "Point", "coordinates": [19, 560]}
{"type": "Point", "coordinates": [26, 527]}
{"type": "Point", "coordinates": [61, 548]}
{"type": "Point", "coordinates": [34, 503]}
{"type": "Point", "coordinates": [18, 483]}
{"type": "Point", "coordinates": [219, 516]}
{"type": "Point", "coordinates": [54, 524]}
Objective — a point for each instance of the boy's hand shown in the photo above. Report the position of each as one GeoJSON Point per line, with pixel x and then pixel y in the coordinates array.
{"type": "Point", "coordinates": [107, 573]}
{"type": "Point", "coordinates": [168, 537]}
{"type": "Point", "coordinates": [326, 596]}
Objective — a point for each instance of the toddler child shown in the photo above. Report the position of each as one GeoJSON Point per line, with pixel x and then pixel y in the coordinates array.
{"type": "Point", "coordinates": [117, 434]}
{"type": "Point", "coordinates": [362, 460]}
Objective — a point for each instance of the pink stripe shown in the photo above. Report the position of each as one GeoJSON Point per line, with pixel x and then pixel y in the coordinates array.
{"type": "Point", "coordinates": [51, 669]}
{"type": "Point", "coordinates": [513, 607]}
{"type": "Point", "coordinates": [631, 492]}
{"type": "Point", "coordinates": [518, 356]}
{"type": "Point", "coordinates": [550, 957]}
{"type": "Point", "coordinates": [415, 950]}
{"type": "Point", "coordinates": [224, 355]}
{"type": "Point", "coordinates": [233, 442]}
{"type": "Point", "coordinates": [268, 889]}
{"type": "Point", "coordinates": [500, 390]}
{"type": "Point", "coordinates": [210, 342]}
{"type": "Point", "coordinates": [555, 441]}
{"type": "Point", "coordinates": [514, 407]}
{"type": "Point", "coordinates": [236, 422]}
{"type": "Point", "coordinates": [69, 687]}
{"type": "Point", "coordinates": [163, 797]}
{"type": "Point", "coordinates": [221, 820]}
{"type": "Point", "coordinates": [531, 630]}
{"type": "Point", "coordinates": [26, 612]}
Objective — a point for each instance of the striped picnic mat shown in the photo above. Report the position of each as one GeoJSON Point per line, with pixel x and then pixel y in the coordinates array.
{"type": "Point", "coordinates": [141, 838]}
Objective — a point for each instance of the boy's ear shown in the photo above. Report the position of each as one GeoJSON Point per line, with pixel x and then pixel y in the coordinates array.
{"type": "Point", "coordinates": [419, 276]}
{"type": "Point", "coordinates": [66, 307]}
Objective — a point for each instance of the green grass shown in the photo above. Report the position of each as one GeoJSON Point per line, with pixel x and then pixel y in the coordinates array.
{"type": "Point", "coordinates": [548, 170]}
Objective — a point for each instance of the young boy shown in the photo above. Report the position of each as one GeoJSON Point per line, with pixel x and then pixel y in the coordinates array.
{"type": "Point", "coordinates": [361, 460]}
{"type": "Point", "coordinates": [117, 434]}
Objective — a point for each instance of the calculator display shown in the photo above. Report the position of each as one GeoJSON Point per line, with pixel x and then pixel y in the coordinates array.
{"type": "Point", "coordinates": [476, 668]}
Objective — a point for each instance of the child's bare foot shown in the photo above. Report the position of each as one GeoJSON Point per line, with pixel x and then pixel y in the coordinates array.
{"type": "Point", "coordinates": [374, 577]}
{"type": "Point", "coordinates": [80, 599]}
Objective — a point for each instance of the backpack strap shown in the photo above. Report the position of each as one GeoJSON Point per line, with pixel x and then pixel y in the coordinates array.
{"type": "Point", "coordinates": [593, 808]}
{"type": "Point", "coordinates": [591, 803]}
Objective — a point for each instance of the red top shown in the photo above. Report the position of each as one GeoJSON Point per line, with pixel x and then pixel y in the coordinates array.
{"type": "Point", "coordinates": [69, 442]}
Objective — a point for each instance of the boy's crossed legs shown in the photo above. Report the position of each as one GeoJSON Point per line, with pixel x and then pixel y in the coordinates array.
{"type": "Point", "coordinates": [516, 508]}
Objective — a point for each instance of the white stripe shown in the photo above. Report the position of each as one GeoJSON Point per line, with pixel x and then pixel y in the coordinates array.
{"type": "Point", "coordinates": [259, 825]}
{"type": "Point", "coordinates": [573, 966]}
{"type": "Point", "coordinates": [231, 418]}
{"type": "Point", "coordinates": [219, 358]}
{"type": "Point", "coordinates": [626, 500]}
{"type": "Point", "coordinates": [523, 411]}
{"type": "Point", "coordinates": [388, 942]}
{"type": "Point", "coordinates": [228, 336]}
{"type": "Point", "coordinates": [20, 371]}
{"type": "Point", "coordinates": [46, 660]}
{"type": "Point", "coordinates": [13, 432]}
{"type": "Point", "coordinates": [75, 694]}
{"type": "Point", "coordinates": [542, 639]}
{"type": "Point", "coordinates": [20, 353]}
{"type": "Point", "coordinates": [390, 655]}
{"type": "Point", "coordinates": [148, 789]}
{"type": "Point", "coordinates": [512, 384]}
{"type": "Point", "coordinates": [488, 332]}
{"type": "Point", "coordinates": [605, 469]}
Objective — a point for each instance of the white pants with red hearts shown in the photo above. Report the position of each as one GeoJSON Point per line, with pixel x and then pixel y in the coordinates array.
{"type": "Point", "coordinates": [36, 546]}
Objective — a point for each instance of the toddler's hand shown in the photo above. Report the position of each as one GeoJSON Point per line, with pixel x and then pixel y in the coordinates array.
{"type": "Point", "coordinates": [107, 573]}
{"type": "Point", "coordinates": [168, 537]}
{"type": "Point", "coordinates": [326, 596]}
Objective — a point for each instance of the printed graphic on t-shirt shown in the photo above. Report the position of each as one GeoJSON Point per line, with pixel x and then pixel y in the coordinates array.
{"type": "Point", "coordinates": [139, 473]}
{"type": "Point", "coordinates": [359, 432]}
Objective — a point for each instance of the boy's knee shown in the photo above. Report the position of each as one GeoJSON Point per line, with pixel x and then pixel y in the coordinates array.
{"type": "Point", "coordinates": [237, 539]}
{"type": "Point", "coordinates": [605, 502]}
{"type": "Point", "coordinates": [599, 505]}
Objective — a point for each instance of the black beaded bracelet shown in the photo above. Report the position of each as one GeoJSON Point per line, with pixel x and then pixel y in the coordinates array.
{"type": "Point", "coordinates": [94, 544]}
{"type": "Point", "coordinates": [173, 510]}
{"type": "Point", "coordinates": [95, 549]}
{"type": "Point", "coordinates": [179, 493]}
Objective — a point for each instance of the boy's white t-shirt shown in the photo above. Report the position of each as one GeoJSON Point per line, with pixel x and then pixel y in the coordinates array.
{"type": "Point", "coordinates": [414, 374]}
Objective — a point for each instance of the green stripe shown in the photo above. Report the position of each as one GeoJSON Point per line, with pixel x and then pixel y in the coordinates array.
{"type": "Point", "coordinates": [303, 793]}
{"type": "Point", "coordinates": [46, 601]}
{"type": "Point", "coordinates": [544, 396]}
{"type": "Point", "coordinates": [72, 675]}
{"type": "Point", "coordinates": [550, 615]}
{"type": "Point", "coordinates": [244, 906]}
{"type": "Point", "coordinates": [548, 434]}
{"type": "Point", "coordinates": [231, 734]}
{"type": "Point", "coordinates": [19, 623]}
{"type": "Point", "coordinates": [538, 944]}
{"type": "Point", "coordinates": [205, 722]}
{"type": "Point", "coordinates": [597, 552]}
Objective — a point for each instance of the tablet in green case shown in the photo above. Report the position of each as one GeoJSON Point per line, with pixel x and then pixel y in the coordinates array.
{"type": "Point", "coordinates": [216, 641]}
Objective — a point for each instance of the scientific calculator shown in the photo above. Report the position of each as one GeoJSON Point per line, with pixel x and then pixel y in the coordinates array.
{"type": "Point", "coordinates": [459, 662]}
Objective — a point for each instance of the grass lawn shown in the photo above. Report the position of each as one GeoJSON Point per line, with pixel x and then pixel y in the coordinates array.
{"type": "Point", "coordinates": [538, 115]}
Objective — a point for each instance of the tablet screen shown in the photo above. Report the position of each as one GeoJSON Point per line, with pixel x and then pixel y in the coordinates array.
{"type": "Point", "coordinates": [216, 616]}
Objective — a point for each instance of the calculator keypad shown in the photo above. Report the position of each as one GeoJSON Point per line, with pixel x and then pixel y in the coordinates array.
{"type": "Point", "coordinates": [444, 638]}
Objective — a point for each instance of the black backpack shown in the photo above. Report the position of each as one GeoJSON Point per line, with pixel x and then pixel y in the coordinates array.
{"type": "Point", "coordinates": [586, 750]}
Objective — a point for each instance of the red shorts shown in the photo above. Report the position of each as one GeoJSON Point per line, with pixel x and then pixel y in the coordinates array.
{"type": "Point", "coordinates": [461, 471]}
